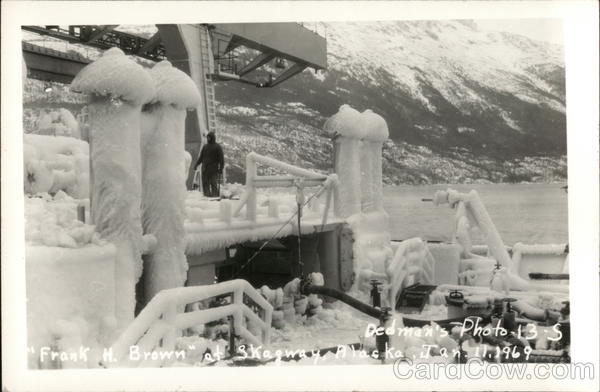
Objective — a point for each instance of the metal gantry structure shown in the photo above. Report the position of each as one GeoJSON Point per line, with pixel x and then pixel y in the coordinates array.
{"type": "Point", "coordinates": [281, 43]}
{"type": "Point", "coordinates": [105, 37]}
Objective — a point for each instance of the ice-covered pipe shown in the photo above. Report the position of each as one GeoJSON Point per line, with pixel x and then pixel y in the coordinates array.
{"type": "Point", "coordinates": [376, 133]}
{"type": "Point", "coordinates": [346, 128]}
{"type": "Point", "coordinates": [476, 211]}
{"type": "Point", "coordinates": [163, 179]}
{"type": "Point", "coordinates": [340, 295]}
{"type": "Point", "coordinates": [118, 87]}
{"type": "Point", "coordinates": [285, 167]}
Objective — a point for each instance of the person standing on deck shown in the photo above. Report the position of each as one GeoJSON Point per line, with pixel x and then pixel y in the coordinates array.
{"type": "Point", "coordinates": [212, 161]}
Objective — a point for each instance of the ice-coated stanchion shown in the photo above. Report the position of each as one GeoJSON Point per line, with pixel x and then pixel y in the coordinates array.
{"type": "Point", "coordinates": [164, 177]}
{"type": "Point", "coordinates": [117, 87]}
{"type": "Point", "coordinates": [376, 133]}
{"type": "Point", "coordinates": [250, 189]}
{"type": "Point", "coordinates": [346, 129]}
{"type": "Point", "coordinates": [300, 200]}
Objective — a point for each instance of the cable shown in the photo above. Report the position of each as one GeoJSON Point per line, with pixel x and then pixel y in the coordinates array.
{"type": "Point", "coordinates": [275, 235]}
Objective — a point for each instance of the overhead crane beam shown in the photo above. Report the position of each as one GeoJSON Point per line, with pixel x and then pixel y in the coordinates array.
{"type": "Point", "coordinates": [257, 62]}
{"type": "Point", "coordinates": [288, 73]}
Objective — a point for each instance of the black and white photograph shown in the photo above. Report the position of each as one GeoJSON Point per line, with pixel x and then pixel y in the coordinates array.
{"type": "Point", "coordinates": [253, 198]}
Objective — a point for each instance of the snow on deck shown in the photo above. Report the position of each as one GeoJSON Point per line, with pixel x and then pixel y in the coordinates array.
{"type": "Point", "coordinates": [210, 224]}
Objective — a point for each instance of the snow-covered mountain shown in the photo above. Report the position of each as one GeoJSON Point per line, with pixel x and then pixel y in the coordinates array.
{"type": "Point", "coordinates": [462, 104]}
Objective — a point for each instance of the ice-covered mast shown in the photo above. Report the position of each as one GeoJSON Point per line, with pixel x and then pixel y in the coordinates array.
{"type": "Point", "coordinates": [118, 87]}
{"type": "Point", "coordinates": [164, 175]}
{"type": "Point", "coordinates": [376, 133]}
{"type": "Point", "coordinates": [346, 128]}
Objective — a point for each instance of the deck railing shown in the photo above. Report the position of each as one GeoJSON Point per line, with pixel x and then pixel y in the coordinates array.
{"type": "Point", "coordinates": [297, 177]}
{"type": "Point", "coordinates": [159, 324]}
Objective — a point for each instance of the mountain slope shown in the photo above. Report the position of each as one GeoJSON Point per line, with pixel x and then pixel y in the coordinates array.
{"type": "Point", "coordinates": [458, 101]}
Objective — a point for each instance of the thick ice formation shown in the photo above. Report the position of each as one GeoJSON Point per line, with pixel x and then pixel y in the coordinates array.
{"type": "Point", "coordinates": [551, 258]}
{"type": "Point", "coordinates": [346, 122]}
{"type": "Point", "coordinates": [37, 178]}
{"type": "Point", "coordinates": [376, 132]}
{"type": "Point", "coordinates": [470, 210]}
{"type": "Point", "coordinates": [447, 261]}
{"type": "Point", "coordinates": [53, 222]}
{"type": "Point", "coordinates": [116, 76]}
{"type": "Point", "coordinates": [207, 230]}
{"type": "Point", "coordinates": [158, 324]}
{"type": "Point", "coordinates": [56, 163]}
{"type": "Point", "coordinates": [358, 139]}
{"type": "Point", "coordinates": [70, 270]}
{"type": "Point", "coordinates": [346, 128]}
{"type": "Point", "coordinates": [59, 122]}
{"type": "Point", "coordinates": [376, 128]}
{"type": "Point", "coordinates": [412, 263]}
{"type": "Point", "coordinates": [70, 300]}
{"type": "Point", "coordinates": [371, 247]}
{"type": "Point", "coordinates": [118, 87]}
{"type": "Point", "coordinates": [174, 87]}
{"type": "Point", "coordinates": [163, 177]}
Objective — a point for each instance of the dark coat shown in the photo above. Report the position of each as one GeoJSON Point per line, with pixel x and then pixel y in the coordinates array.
{"type": "Point", "coordinates": [211, 157]}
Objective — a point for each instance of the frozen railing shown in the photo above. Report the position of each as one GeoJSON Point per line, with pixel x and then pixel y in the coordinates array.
{"type": "Point", "coordinates": [297, 177]}
{"type": "Point", "coordinates": [159, 324]}
{"type": "Point", "coordinates": [211, 225]}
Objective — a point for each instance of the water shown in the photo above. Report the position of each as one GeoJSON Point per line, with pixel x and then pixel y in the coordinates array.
{"type": "Point", "coordinates": [528, 213]}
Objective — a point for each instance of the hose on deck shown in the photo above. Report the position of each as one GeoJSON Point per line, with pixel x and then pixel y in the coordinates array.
{"type": "Point", "coordinates": [345, 298]}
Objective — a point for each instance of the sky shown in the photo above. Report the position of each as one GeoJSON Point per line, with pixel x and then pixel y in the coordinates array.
{"type": "Point", "coordinates": [550, 30]}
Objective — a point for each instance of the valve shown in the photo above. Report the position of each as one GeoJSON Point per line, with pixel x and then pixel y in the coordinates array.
{"type": "Point", "coordinates": [509, 316]}
{"type": "Point", "coordinates": [383, 340]}
{"type": "Point", "coordinates": [456, 294]}
{"type": "Point", "coordinates": [376, 293]}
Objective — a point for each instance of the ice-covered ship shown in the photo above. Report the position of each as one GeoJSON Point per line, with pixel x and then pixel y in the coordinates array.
{"type": "Point", "coordinates": [161, 276]}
